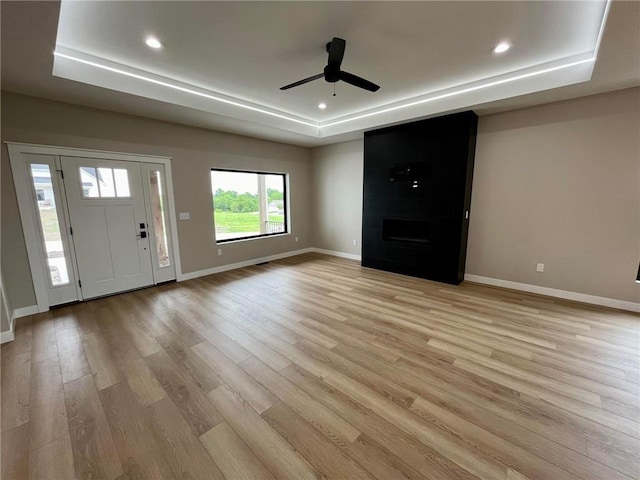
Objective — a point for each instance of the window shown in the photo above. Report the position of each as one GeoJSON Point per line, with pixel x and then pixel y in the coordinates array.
{"type": "Point", "coordinates": [49, 224]}
{"type": "Point", "coordinates": [104, 182]}
{"type": "Point", "coordinates": [248, 204]}
{"type": "Point", "coordinates": [159, 220]}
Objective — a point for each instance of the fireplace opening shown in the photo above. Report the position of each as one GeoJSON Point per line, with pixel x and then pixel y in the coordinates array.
{"type": "Point", "coordinates": [409, 231]}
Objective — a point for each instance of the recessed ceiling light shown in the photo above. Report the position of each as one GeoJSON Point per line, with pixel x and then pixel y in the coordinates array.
{"type": "Point", "coordinates": [501, 47]}
{"type": "Point", "coordinates": [153, 42]}
{"type": "Point", "coordinates": [322, 106]}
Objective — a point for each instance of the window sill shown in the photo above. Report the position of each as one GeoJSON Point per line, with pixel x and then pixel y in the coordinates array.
{"type": "Point", "coordinates": [247, 239]}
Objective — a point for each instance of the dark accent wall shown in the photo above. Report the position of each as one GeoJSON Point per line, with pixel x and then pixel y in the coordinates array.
{"type": "Point", "coordinates": [417, 191]}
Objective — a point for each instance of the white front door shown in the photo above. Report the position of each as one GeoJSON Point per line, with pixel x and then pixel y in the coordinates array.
{"type": "Point", "coordinates": [109, 223]}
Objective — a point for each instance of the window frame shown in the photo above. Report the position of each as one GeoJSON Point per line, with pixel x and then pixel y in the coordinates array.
{"type": "Point", "coordinates": [285, 181]}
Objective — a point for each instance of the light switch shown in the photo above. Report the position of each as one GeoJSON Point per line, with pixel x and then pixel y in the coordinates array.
{"type": "Point", "coordinates": [540, 267]}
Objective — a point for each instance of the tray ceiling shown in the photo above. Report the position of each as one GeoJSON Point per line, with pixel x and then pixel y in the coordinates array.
{"type": "Point", "coordinates": [230, 58]}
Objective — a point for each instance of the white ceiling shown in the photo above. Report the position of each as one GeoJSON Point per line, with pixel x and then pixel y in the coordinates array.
{"type": "Point", "coordinates": [436, 55]}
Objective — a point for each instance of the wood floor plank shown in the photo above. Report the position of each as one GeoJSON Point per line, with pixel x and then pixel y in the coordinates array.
{"type": "Point", "coordinates": [614, 458]}
{"type": "Point", "coordinates": [250, 390]}
{"type": "Point", "coordinates": [232, 455]}
{"type": "Point", "coordinates": [272, 450]}
{"type": "Point", "coordinates": [287, 350]}
{"type": "Point", "coordinates": [604, 384]}
{"type": "Point", "coordinates": [391, 391]}
{"type": "Point", "coordinates": [520, 450]}
{"type": "Point", "coordinates": [140, 455]}
{"type": "Point", "coordinates": [203, 376]}
{"type": "Point", "coordinates": [102, 362]}
{"type": "Point", "coordinates": [44, 338]}
{"type": "Point", "coordinates": [223, 343]}
{"type": "Point", "coordinates": [515, 475]}
{"type": "Point", "coordinates": [529, 377]}
{"type": "Point", "coordinates": [489, 410]}
{"type": "Point", "coordinates": [180, 328]}
{"type": "Point", "coordinates": [383, 464]}
{"type": "Point", "coordinates": [140, 335]}
{"type": "Point", "coordinates": [257, 349]}
{"type": "Point", "coordinates": [47, 411]}
{"type": "Point", "coordinates": [14, 463]}
{"type": "Point", "coordinates": [327, 459]}
{"type": "Point", "coordinates": [449, 446]}
{"type": "Point", "coordinates": [53, 461]}
{"type": "Point", "coordinates": [177, 443]}
{"type": "Point", "coordinates": [582, 425]}
{"type": "Point", "coordinates": [194, 406]}
{"type": "Point", "coordinates": [389, 436]}
{"type": "Point", "coordinates": [93, 451]}
{"type": "Point", "coordinates": [314, 412]}
{"type": "Point", "coordinates": [73, 361]}
{"type": "Point", "coordinates": [143, 383]}
{"type": "Point", "coordinates": [626, 426]}
{"type": "Point", "coordinates": [15, 391]}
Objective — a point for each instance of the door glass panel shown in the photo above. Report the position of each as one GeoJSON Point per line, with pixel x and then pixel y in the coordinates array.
{"type": "Point", "coordinates": [122, 182]}
{"type": "Point", "coordinates": [89, 181]}
{"type": "Point", "coordinates": [159, 223]}
{"type": "Point", "coordinates": [48, 214]}
{"type": "Point", "coordinates": [105, 179]}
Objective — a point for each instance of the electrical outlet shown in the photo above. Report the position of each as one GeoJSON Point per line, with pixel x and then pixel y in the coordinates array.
{"type": "Point", "coordinates": [540, 267]}
{"type": "Point", "coordinates": [296, 239]}
{"type": "Point", "coordinates": [355, 242]}
{"type": "Point", "coordinates": [219, 251]}
{"type": "Point", "coordinates": [185, 215]}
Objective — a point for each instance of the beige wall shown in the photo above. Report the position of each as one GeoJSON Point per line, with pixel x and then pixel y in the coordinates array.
{"type": "Point", "coordinates": [557, 184]}
{"type": "Point", "coordinates": [337, 196]}
{"type": "Point", "coordinates": [194, 152]}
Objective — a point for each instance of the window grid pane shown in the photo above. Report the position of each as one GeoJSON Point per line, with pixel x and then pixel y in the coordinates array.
{"type": "Point", "coordinates": [89, 181]}
{"type": "Point", "coordinates": [122, 182]}
{"type": "Point", "coordinates": [105, 180]}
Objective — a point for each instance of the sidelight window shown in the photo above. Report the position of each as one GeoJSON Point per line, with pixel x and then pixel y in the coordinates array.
{"type": "Point", "coordinates": [159, 220]}
{"type": "Point", "coordinates": [50, 225]}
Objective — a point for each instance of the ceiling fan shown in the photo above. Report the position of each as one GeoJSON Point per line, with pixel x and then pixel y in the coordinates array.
{"type": "Point", "coordinates": [332, 72]}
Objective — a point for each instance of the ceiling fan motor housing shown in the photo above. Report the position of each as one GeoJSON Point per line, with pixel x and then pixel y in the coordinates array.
{"type": "Point", "coordinates": [332, 73]}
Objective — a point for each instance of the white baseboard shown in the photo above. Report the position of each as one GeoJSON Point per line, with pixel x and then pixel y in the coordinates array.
{"type": "Point", "coordinates": [246, 263]}
{"type": "Point", "coordinates": [553, 292]}
{"type": "Point", "coordinates": [7, 336]}
{"type": "Point", "coordinates": [25, 311]}
{"type": "Point", "coordinates": [254, 261]}
{"type": "Point", "coordinates": [350, 256]}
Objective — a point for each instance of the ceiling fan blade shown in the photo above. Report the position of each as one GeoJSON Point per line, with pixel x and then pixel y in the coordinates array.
{"type": "Point", "coordinates": [302, 82]}
{"type": "Point", "coordinates": [357, 81]}
{"type": "Point", "coordinates": [336, 50]}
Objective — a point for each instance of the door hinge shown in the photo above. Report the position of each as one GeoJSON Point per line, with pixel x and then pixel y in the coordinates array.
{"type": "Point", "coordinates": [80, 283]}
{"type": "Point", "coordinates": [71, 230]}
{"type": "Point", "coordinates": [61, 173]}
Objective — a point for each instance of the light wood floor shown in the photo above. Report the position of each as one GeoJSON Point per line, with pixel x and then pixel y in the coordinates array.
{"type": "Point", "coordinates": [313, 367]}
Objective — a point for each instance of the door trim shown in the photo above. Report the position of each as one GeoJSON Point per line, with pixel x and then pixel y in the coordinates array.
{"type": "Point", "coordinates": [28, 214]}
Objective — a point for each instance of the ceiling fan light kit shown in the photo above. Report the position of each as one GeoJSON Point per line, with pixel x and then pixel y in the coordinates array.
{"type": "Point", "coordinates": [333, 73]}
